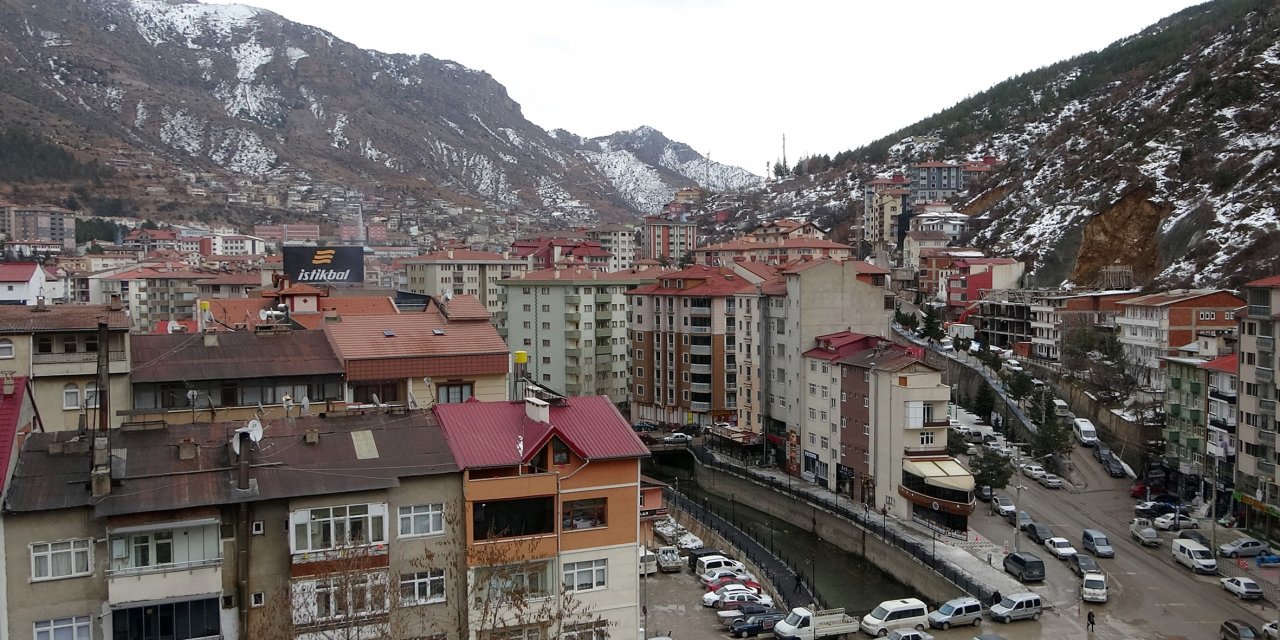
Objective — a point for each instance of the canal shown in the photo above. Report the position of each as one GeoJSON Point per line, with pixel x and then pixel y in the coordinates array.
{"type": "Point", "coordinates": [843, 579]}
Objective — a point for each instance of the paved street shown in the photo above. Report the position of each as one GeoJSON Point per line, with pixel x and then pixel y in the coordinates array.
{"type": "Point", "coordinates": [1150, 596]}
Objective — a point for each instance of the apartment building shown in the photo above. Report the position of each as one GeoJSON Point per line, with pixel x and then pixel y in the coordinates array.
{"type": "Point", "coordinates": [222, 530]}
{"type": "Point", "coordinates": [668, 239]}
{"type": "Point", "coordinates": [1220, 436]}
{"type": "Point", "coordinates": [445, 353]}
{"type": "Point", "coordinates": [876, 430]}
{"type": "Point", "coordinates": [934, 181]}
{"type": "Point", "coordinates": [39, 223]}
{"type": "Point", "coordinates": [145, 241]}
{"type": "Point", "coordinates": [56, 347]}
{"type": "Point", "coordinates": [551, 488]}
{"type": "Point", "coordinates": [917, 240]}
{"type": "Point", "coordinates": [573, 323]}
{"type": "Point", "coordinates": [975, 278]}
{"type": "Point", "coordinates": [781, 315]}
{"type": "Point", "coordinates": [1186, 403]}
{"type": "Point", "coordinates": [282, 234]}
{"type": "Point", "coordinates": [883, 219]}
{"type": "Point", "coordinates": [1055, 314]}
{"type": "Point", "coordinates": [1153, 326]}
{"type": "Point", "coordinates": [154, 294]}
{"type": "Point", "coordinates": [683, 346]}
{"type": "Point", "coordinates": [1258, 393]}
{"type": "Point", "coordinates": [944, 221]}
{"type": "Point", "coordinates": [462, 271]}
{"type": "Point", "coordinates": [787, 229]}
{"type": "Point", "coordinates": [751, 249]}
{"type": "Point", "coordinates": [619, 241]}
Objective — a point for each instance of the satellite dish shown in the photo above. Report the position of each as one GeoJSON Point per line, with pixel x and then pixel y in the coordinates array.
{"type": "Point", "coordinates": [174, 327]}
{"type": "Point", "coordinates": [192, 395]}
{"type": "Point", "coordinates": [376, 400]}
{"type": "Point", "coordinates": [427, 381]}
{"type": "Point", "coordinates": [253, 428]}
{"type": "Point", "coordinates": [288, 404]}
{"type": "Point", "coordinates": [306, 406]}
{"type": "Point", "coordinates": [263, 315]}
{"type": "Point", "coordinates": [413, 402]}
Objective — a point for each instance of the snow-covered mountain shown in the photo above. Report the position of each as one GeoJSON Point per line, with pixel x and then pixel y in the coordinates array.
{"type": "Point", "coordinates": [1159, 152]}
{"type": "Point", "coordinates": [647, 167]}
{"type": "Point", "coordinates": [241, 90]}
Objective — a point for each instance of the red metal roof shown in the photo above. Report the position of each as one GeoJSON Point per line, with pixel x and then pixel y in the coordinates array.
{"type": "Point", "coordinates": [487, 434]}
{"type": "Point", "coordinates": [1225, 364]}
{"type": "Point", "coordinates": [18, 271]}
{"type": "Point", "coordinates": [699, 281]}
{"type": "Point", "coordinates": [10, 417]}
{"type": "Point", "coordinates": [1271, 281]}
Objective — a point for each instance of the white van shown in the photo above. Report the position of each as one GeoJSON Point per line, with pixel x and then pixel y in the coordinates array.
{"type": "Point", "coordinates": [1060, 408]}
{"type": "Point", "coordinates": [648, 561]}
{"type": "Point", "coordinates": [906, 613]}
{"type": "Point", "coordinates": [1194, 556]}
{"type": "Point", "coordinates": [707, 563]}
{"type": "Point", "coordinates": [1017, 606]}
{"type": "Point", "coordinates": [1086, 434]}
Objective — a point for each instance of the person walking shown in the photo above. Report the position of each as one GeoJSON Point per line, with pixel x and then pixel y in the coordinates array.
{"type": "Point", "coordinates": [796, 587]}
{"type": "Point", "coordinates": [1091, 621]}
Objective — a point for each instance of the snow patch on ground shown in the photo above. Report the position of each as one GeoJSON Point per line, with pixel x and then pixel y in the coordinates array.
{"type": "Point", "coordinates": [339, 139]}
{"type": "Point", "coordinates": [159, 21]}
{"type": "Point", "coordinates": [244, 152]}
{"type": "Point", "coordinates": [181, 130]}
{"type": "Point", "coordinates": [638, 182]}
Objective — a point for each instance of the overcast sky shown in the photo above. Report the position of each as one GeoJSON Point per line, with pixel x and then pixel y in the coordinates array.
{"type": "Point", "coordinates": [731, 77]}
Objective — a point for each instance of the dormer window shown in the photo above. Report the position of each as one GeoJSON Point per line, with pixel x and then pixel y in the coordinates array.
{"type": "Point", "coordinates": [559, 452]}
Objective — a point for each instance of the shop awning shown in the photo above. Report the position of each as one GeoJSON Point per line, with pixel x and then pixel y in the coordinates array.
{"type": "Point", "coordinates": [947, 474]}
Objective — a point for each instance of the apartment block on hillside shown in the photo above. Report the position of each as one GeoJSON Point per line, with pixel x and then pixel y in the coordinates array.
{"type": "Point", "coordinates": [1154, 326]}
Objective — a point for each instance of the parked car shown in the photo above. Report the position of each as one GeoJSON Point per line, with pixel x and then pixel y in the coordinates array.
{"type": "Point", "coordinates": [1025, 566]}
{"type": "Point", "coordinates": [752, 626]}
{"type": "Point", "coordinates": [1167, 498]}
{"type": "Point", "coordinates": [955, 612]}
{"type": "Point", "coordinates": [1050, 481]}
{"type": "Point", "coordinates": [1139, 488]}
{"type": "Point", "coordinates": [1175, 521]}
{"type": "Point", "coordinates": [1114, 467]}
{"type": "Point", "coordinates": [1082, 563]}
{"type": "Point", "coordinates": [1270, 630]}
{"type": "Point", "coordinates": [1243, 588]}
{"type": "Point", "coordinates": [678, 438]}
{"type": "Point", "coordinates": [1093, 587]}
{"type": "Point", "coordinates": [734, 600]}
{"type": "Point", "coordinates": [1060, 547]}
{"type": "Point", "coordinates": [645, 426]}
{"type": "Point", "coordinates": [984, 493]}
{"type": "Point", "coordinates": [741, 611]}
{"type": "Point", "coordinates": [711, 598]}
{"type": "Point", "coordinates": [1196, 536]}
{"type": "Point", "coordinates": [1002, 506]}
{"type": "Point", "coordinates": [1039, 532]}
{"type": "Point", "coordinates": [1154, 509]}
{"type": "Point", "coordinates": [1101, 452]}
{"type": "Point", "coordinates": [1237, 630]}
{"type": "Point", "coordinates": [908, 634]}
{"type": "Point", "coordinates": [1242, 548]}
{"type": "Point", "coordinates": [1020, 521]}
{"type": "Point", "coordinates": [1033, 471]}
{"type": "Point", "coordinates": [738, 580]}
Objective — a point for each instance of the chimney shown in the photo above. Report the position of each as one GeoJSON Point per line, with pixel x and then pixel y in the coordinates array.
{"type": "Point", "coordinates": [211, 339]}
{"type": "Point", "coordinates": [450, 254]}
{"type": "Point", "coordinates": [187, 449]}
{"type": "Point", "coordinates": [100, 476]}
{"type": "Point", "coordinates": [312, 436]}
{"type": "Point", "coordinates": [8, 383]}
{"type": "Point", "coordinates": [116, 304]}
{"type": "Point", "coordinates": [537, 410]}
{"type": "Point", "coordinates": [40, 304]}
{"type": "Point", "coordinates": [242, 466]}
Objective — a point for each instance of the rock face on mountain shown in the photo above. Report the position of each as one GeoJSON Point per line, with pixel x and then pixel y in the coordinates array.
{"type": "Point", "coordinates": [239, 89]}
{"type": "Point", "coordinates": [1158, 152]}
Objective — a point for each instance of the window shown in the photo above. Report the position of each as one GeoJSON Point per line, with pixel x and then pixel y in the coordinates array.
{"type": "Point", "coordinates": [6, 351]}
{"type": "Point", "coordinates": [422, 519]}
{"type": "Point", "coordinates": [585, 514]}
{"type": "Point", "coordinates": [332, 527]}
{"type": "Point", "coordinates": [423, 587]}
{"type": "Point", "coordinates": [513, 518]}
{"type": "Point", "coordinates": [338, 597]}
{"type": "Point", "coordinates": [598, 630]}
{"type": "Point", "coordinates": [512, 582]}
{"type": "Point", "coordinates": [44, 344]}
{"type": "Point", "coordinates": [454, 392]}
{"type": "Point", "coordinates": [559, 452]}
{"type": "Point", "coordinates": [71, 397]}
{"type": "Point", "coordinates": [91, 395]}
{"type": "Point", "coordinates": [585, 576]}
{"type": "Point", "coordinates": [177, 620]}
{"type": "Point", "coordinates": [64, 559]}
{"type": "Point", "coordinates": [926, 437]}
{"type": "Point", "coordinates": [77, 628]}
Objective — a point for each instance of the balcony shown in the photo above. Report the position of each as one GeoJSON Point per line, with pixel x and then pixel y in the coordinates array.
{"type": "Point", "coordinates": [700, 349]}
{"type": "Point", "coordinates": [604, 298]}
{"type": "Point", "coordinates": [699, 330]}
{"type": "Point", "coordinates": [1267, 407]}
{"type": "Point", "coordinates": [81, 363]}
{"type": "Point", "coordinates": [572, 299]}
{"type": "Point", "coordinates": [573, 335]}
{"type": "Point", "coordinates": [1267, 438]}
{"type": "Point", "coordinates": [700, 387]}
{"type": "Point", "coordinates": [1266, 343]}
{"type": "Point", "coordinates": [1222, 394]}
{"type": "Point", "coordinates": [604, 349]}
{"type": "Point", "coordinates": [699, 311]}
{"type": "Point", "coordinates": [164, 582]}
{"type": "Point", "coordinates": [700, 368]}
{"type": "Point", "coordinates": [699, 406]}
{"type": "Point", "coordinates": [1264, 375]}
{"type": "Point", "coordinates": [1267, 470]}
{"type": "Point", "coordinates": [939, 449]}
{"type": "Point", "coordinates": [1259, 311]}
{"type": "Point", "coordinates": [572, 317]}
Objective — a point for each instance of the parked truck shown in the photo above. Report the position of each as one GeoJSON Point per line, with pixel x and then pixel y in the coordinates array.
{"type": "Point", "coordinates": [803, 624]}
{"type": "Point", "coordinates": [960, 330]}
{"type": "Point", "coordinates": [669, 560]}
{"type": "Point", "coordinates": [1143, 532]}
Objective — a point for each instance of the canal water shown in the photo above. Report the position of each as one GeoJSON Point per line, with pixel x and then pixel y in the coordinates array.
{"type": "Point", "coordinates": [843, 579]}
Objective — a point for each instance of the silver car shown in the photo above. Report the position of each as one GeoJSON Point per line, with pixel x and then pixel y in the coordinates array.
{"type": "Point", "coordinates": [1242, 547]}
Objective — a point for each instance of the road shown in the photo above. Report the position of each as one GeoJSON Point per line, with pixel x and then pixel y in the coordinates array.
{"type": "Point", "coordinates": [1150, 596]}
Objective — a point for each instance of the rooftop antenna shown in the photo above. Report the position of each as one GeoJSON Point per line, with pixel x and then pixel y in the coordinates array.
{"type": "Point", "coordinates": [288, 404]}
{"type": "Point", "coordinates": [253, 428]}
{"type": "Point", "coordinates": [520, 446]}
{"type": "Point", "coordinates": [413, 402]}
{"type": "Point", "coordinates": [173, 327]}
{"type": "Point", "coordinates": [306, 406]}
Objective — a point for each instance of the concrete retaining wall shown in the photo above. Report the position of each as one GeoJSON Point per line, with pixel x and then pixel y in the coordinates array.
{"type": "Point", "coordinates": [836, 530]}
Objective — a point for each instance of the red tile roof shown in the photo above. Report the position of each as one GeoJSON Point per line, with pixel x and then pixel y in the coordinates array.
{"type": "Point", "coordinates": [466, 307]}
{"type": "Point", "coordinates": [303, 289]}
{"type": "Point", "coordinates": [1225, 364]}
{"type": "Point", "coordinates": [1165, 298]}
{"type": "Point", "coordinates": [487, 434]}
{"type": "Point", "coordinates": [412, 335]}
{"type": "Point", "coordinates": [583, 272]}
{"type": "Point", "coordinates": [459, 255]}
{"type": "Point", "coordinates": [699, 281]}
{"type": "Point", "coordinates": [1271, 281]}
{"type": "Point", "coordinates": [18, 271]}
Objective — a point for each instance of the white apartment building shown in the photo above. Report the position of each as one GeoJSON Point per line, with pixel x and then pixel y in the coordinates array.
{"type": "Point", "coordinates": [572, 321]}
{"type": "Point", "coordinates": [1153, 326]}
{"type": "Point", "coordinates": [463, 271]}
{"type": "Point", "coordinates": [620, 241]}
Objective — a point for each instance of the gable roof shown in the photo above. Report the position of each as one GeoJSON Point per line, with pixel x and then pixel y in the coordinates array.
{"type": "Point", "coordinates": [486, 434]}
{"type": "Point", "coordinates": [412, 335]}
{"type": "Point", "coordinates": [1271, 281]}
{"type": "Point", "coordinates": [238, 354]}
{"type": "Point", "coordinates": [1172, 297]}
{"type": "Point", "coordinates": [18, 271]}
{"type": "Point", "coordinates": [60, 317]}
{"type": "Point", "coordinates": [1225, 364]}
{"type": "Point", "coordinates": [10, 423]}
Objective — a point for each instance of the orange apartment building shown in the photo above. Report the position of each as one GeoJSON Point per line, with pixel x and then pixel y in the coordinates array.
{"type": "Point", "coordinates": [683, 343]}
{"type": "Point", "coordinates": [551, 493]}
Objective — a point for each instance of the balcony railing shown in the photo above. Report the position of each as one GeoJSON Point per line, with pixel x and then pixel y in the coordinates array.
{"type": "Point", "coordinates": [700, 349]}
{"type": "Point", "coordinates": [699, 329]}
{"type": "Point", "coordinates": [1260, 311]}
{"type": "Point", "coordinates": [1265, 375]}
{"type": "Point", "coordinates": [1266, 343]}
{"type": "Point", "coordinates": [699, 406]}
{"type": "Point", "coordinates": [700, 387]}
{"type": "Point", "coordinates": [64, 358]}
{"type": "Point", "coordinates": [163, 568]}
{"type": "Point", "coordinates": [700, 368]}
{"type": "Point", "coordinates": [1267, 470]}
{"type": "Point", "coordinates": [926, 449]}
{"type": "Point", "coordinates": [1267, 407]}
{"type": "Point", "coordinates": [699, 311]}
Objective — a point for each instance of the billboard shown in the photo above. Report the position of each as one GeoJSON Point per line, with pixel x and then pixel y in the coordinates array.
{"type": "Point", "coordinates": [324, 265]}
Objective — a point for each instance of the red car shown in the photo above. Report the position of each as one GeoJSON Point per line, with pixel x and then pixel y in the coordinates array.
{"type": "Point", "coordinates": [722, 582]}
{"type": "Point", "coordinates": [1139, 489]}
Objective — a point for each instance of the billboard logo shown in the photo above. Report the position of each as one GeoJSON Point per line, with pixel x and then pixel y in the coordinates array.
{"type": "Point", "coordinates": [324, 266]}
